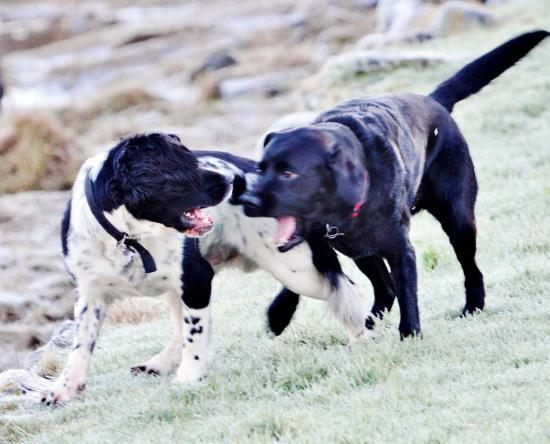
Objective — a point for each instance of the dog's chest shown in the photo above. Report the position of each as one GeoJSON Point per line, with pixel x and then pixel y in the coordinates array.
{"type": "Point", "coordinates": [121, 270]}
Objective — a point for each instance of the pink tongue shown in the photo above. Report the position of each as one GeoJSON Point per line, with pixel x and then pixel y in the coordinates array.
{"type": "Point", "coordinates": [285, 229]}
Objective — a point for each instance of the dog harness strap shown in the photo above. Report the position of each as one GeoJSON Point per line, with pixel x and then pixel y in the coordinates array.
{"type": "Point", "coordinates": [121, 238]}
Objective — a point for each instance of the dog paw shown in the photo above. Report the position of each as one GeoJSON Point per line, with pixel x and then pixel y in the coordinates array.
{"type": "Point", "coordinates": [144, 369]}
{"type": "Point", "coordinates": [163, 363]}
{"type": "Point", "coordinates": [188, 374]}
{"type": "Point", "coordinates": [60, 394]}
{"type": "Point", "coordinates": [363, 336]}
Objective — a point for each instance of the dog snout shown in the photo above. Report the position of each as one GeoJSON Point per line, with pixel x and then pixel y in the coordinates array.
{"type": "Point", "coordinates": [251, 201]}
{"type": "Point", "coordinates": [218, 185]}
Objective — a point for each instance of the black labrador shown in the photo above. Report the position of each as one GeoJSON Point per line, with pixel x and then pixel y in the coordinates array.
{"type": "Point", "coordinates": [354, 177]}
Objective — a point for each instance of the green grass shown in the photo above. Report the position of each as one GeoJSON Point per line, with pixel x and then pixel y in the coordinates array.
{"type": "Point", "coordinates": [481, 379]}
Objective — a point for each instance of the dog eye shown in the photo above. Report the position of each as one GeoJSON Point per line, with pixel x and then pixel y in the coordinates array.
{"type": "Point", "coordinates": [289, 174]}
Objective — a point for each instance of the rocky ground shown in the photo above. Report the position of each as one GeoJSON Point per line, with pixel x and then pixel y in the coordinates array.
{"type": "Point", "coordinates": [78, 75]}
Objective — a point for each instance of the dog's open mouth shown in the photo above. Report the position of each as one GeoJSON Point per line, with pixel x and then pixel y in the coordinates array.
{"type": "Point", "coordinates": [197, 222]}
{"type": "Point", "coordinates": [288, 233]}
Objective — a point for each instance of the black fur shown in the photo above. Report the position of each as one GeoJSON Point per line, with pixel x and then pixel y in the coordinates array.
{"type": "Point", "coordinates": [196, 278]}
{"type": "Point", "coordinates": [281, 310]}
{"type": "Point", "coordinates": [474, 76]}
{"type": "Point", "coordinates": [365, 166]}
{"type": "Point", "coordinates": [65, 224]}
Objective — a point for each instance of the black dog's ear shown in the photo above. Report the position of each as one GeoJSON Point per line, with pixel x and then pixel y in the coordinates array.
{"type": "Point", "coordinates": [239, 187]}
{"type": "Point", "coordinates": [349, 175]}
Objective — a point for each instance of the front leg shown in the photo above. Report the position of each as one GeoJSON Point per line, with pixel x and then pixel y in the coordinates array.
{"type": "Point", "coordinates": [168, 360]}
{"type": "Point", "coordinates": [281, 310]}
{"type": "Point", "coordinates": [384, 290]}
{"type": "Point", "coordinates": [197, 286]}
{"type": "Point", "coordinates": [403, 264]}
{"type": "Point", "coordinates": [89, 314]}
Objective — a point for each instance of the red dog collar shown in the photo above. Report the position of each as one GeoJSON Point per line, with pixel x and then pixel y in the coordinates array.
{"type": "Point", "coordinates": [356, 208]}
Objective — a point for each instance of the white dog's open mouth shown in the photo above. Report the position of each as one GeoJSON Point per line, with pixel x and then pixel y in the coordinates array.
{"type": "Point", "coordinates": [199, 223]}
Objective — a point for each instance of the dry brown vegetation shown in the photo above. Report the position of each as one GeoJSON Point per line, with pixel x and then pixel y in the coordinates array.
{"type": "Point", "coordinates": [36, 153]}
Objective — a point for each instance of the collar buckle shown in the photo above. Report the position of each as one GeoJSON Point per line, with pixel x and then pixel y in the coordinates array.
{"type": "Point", "coordinates": [125, 237]}
{"type": "Point", "coordinates": [333, 232]}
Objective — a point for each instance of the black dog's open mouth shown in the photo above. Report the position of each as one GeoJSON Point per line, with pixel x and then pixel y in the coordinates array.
{"type": "Point", "coordinates": [288, 233]}
{"type": "Point", "coordinates": [197, 222]}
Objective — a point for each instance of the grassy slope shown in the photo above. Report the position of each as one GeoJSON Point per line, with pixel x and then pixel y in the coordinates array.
{"type": "Point", "coordinates": [482, 379]}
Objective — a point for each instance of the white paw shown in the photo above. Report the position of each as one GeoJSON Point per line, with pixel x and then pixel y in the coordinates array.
{"type": "Point", "coordinates": [162, 364]}
{"type": "Point", "coordinates": [60, 393]}
{"type": "Point", "coordinates": [191, 371]}
{"type": "Point", "coordinates": [363, 336]}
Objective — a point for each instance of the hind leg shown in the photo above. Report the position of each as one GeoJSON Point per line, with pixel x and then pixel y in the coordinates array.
{"type": "Point", "coordinates": [459, 224]}
{"type": "Point", "coordinates": [449, 194]}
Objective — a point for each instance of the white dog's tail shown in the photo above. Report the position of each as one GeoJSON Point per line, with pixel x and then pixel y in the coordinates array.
{"type": "Point", "coordinates": [346, 305]}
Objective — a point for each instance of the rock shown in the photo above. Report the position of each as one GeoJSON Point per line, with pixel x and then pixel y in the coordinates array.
{"type": "Point", "coordinates": [214, 62]}
{"type": "Point", "coordinates": [41, 366]}
{"type": "Point", "coordinates": [413, 20]}
{"type": "Point", "coordinates": [356, 62]}
{"type": "Point", "coordinates": [458, 15]}
{"type": "Point", "coordinates": [267, 85]}
{"type": "Point", "coordinates": [49, 359]}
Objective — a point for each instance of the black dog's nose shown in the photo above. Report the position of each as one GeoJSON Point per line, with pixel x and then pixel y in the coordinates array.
{"type": "Point", "coordinates": [250, 201]}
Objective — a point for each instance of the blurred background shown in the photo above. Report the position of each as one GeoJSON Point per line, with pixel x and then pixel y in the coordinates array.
{"type": "Point", "coordinates": [78, 75]}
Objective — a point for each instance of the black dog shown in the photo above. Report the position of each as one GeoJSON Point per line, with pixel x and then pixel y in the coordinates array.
{"type": "Point", "coordinates": [355, 176]}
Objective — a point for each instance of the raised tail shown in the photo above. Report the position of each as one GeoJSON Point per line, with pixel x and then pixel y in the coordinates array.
{"type": "Point", "coordinates": [474, 76]}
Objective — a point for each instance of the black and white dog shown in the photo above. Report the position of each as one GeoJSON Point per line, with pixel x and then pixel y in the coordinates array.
{"type": "Point", "coordinates": [123, 233]}
{"type": "Point", "coordinates": [356, 175]}
{"type": "Point", "coordinates": [131, 229]}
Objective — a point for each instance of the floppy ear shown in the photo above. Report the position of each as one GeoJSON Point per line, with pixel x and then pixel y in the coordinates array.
{"type": "Point", "coordinates": [122, 185]}
{"type": "Point", "coordinates": [350, 177]}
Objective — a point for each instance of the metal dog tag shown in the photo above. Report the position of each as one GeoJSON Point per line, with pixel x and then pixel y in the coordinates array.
{"type": "Point", "coordinates": [130, 254]}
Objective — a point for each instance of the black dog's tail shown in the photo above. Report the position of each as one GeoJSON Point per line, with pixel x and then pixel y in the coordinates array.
{"type": "Point", "coordinates": [474, 76]}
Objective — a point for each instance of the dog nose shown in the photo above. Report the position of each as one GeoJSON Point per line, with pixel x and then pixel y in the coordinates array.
{"type": "Point", "coordinates": [250, 201]}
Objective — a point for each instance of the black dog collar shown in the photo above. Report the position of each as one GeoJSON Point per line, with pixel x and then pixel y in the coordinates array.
{"type": "Point", "coordinates": [123, 239]}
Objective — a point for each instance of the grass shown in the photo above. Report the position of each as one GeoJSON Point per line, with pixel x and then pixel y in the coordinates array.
{"type": "Point", "coordinates": [480, 379]}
